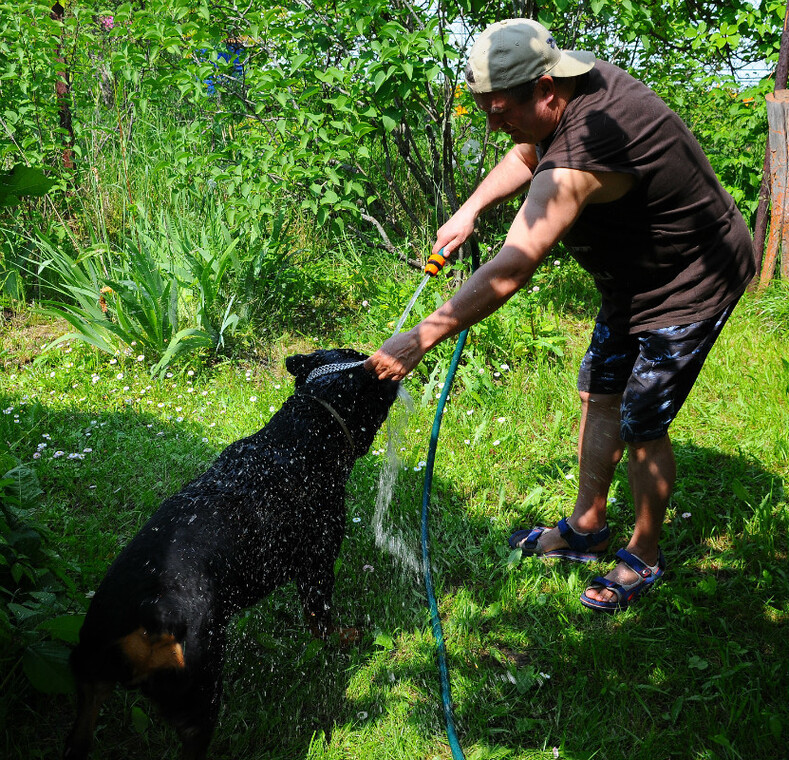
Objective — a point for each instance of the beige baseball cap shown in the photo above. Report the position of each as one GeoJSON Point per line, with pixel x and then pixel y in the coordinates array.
{"type": "Point", "coordinates": [517, 50]}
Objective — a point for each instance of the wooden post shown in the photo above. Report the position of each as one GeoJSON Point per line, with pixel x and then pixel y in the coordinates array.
{"type": "Point", "coordinates": [778, 241]}
{"type": "Point", "coordinates": [760, 226]}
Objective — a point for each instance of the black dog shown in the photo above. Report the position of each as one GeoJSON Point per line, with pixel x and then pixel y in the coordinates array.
{"type": "Point", "coordinates": [269, 510]}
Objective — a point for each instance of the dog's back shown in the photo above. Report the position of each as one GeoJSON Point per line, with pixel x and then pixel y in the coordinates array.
{"type": "Point", "coordinates": [269, 510]}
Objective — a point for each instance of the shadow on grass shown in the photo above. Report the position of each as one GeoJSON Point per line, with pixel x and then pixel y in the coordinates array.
{"type": "Point", "coordinates": [282, 687]}
{"type": "Point", "coordinates": [696, 669]}
{"type": "Point", "coordinates": [693, 670]}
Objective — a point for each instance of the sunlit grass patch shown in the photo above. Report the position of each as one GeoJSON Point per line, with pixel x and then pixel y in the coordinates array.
{"type": "Point", "coordinates": [694, 670]}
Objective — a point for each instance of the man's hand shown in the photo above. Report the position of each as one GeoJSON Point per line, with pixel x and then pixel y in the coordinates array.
{"type": "Point", "coordinates": [455, 231]}
{"type": "Point", "coordinates": [397, 357]}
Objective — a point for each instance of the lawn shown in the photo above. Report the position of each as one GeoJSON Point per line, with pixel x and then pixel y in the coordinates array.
{"type": "Point", "coordinates": [695, 670]}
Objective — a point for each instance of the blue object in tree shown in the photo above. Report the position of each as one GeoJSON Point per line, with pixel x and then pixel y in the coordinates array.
{"type": "Point", "coordinates": [232, 55]}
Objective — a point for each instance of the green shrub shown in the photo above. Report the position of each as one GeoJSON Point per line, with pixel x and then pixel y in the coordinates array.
{"type": "Point", "coordinates": [34, 587]}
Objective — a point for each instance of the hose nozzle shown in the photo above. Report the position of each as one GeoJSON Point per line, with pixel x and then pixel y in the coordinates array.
{"type": "Point", "coordinates": [435, 263]}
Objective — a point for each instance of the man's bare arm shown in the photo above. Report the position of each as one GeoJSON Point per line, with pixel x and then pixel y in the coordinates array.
{"type": "Point", "coordinates": [509, 178]}
{"type": "Point", "coordinates": [556, 198]}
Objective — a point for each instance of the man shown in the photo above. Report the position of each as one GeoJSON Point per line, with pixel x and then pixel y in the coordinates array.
{"type": "Point", "coordinates": [612, 172]}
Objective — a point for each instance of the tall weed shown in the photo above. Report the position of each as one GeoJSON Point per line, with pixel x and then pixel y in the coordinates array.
{"type": "Point", "coordinates": [161, 292]}
{"type": "Point", "coordinates": [34, 585]}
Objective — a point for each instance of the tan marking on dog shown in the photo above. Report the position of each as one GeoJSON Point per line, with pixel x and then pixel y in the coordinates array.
{"type": "Point", "coordinates": [148, 652]}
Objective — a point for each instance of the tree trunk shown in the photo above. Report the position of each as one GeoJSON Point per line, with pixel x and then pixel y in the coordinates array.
{"type": "Point", "coordinates": [62, 93]}
{"type": "Point", "coordinates": [778, 242]}
{"type": "Point", "coordinates": [760, 226]}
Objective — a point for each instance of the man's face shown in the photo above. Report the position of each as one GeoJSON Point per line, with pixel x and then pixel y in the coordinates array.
{"type": "Point", "coordinates": [523, 122]}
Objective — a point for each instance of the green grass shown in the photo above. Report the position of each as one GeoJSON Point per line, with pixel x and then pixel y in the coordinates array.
{"type": "Point", "coordinates": [695, 670]}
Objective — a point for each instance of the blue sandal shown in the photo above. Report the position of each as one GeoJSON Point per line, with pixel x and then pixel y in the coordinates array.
{"type": "Point", "coordinates": [626, 593]}
{"type": "Point", "coordinates": [578, 543]}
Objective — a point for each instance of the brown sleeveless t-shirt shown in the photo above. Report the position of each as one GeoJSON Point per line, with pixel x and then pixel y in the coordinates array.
{"type": "Point", "coordinates": [674, 249]}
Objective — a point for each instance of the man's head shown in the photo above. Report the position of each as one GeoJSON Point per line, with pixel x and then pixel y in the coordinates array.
{"type": "Point", "coordinates": [519, 50]}
{"type": "Point", "coordinates": [521, 79]}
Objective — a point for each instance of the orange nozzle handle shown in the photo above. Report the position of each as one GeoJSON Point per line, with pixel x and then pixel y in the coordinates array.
{"type": "Point", "coordinates": [435, 263]}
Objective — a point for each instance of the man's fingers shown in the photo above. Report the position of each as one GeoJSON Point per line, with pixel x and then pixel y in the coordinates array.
{"type": "Point", "coordinates": [383, 367]}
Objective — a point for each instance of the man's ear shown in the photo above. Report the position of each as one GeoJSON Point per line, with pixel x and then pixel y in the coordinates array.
{"type": "Point", "coordinates": [545, 87]}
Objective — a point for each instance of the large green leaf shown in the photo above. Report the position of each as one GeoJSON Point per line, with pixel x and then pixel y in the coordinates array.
{"type": "Point", "coordinates": [63, 627]}
{"type": "Point", "coordinates": [46, 666]}
{"type": "Point", "coordinates": [22, 181]}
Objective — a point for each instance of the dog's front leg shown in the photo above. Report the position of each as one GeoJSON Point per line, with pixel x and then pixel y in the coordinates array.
{"type": "Point", "coordinates": [316, 597]}
{"type": "Point", "coordinates": [90, 696]}
{"type": "Point", "coordinates": [315, 589]}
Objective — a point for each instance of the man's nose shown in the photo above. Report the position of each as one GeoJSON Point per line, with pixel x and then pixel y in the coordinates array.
{"type": "Point", "coordinates": [495, 122]}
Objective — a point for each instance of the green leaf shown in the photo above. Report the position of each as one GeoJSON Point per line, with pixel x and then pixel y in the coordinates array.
{"type": "Point", "coordinates": [697, 662]}
{"type": "Point", "coordinates": [298, 62]}
{"type": "Point", "coordinates": [389, 123]}
{"type": "Point", "coordinates": [63, 628]}
{"type": "Point", "coordinates": [741, 492]}
{"type": "Point", "coordinates": [46, 667]}
{"type": "Point", "coordinates": [23, 485]}
{"type": "Point", "coordinates": [514, 558]}
{"type": "Point", "coordinates": [20, 612]}
{"type": "Point", "coordinates": [140, 720]}
{"type": "Point", "coordinates": [380, 78]}
{"type": "Point", "coordinates": [22, 181]}
{"type": "Point", "coordinates": [384, 641]}
{"type": "Point", "coordinates": [311, 651]}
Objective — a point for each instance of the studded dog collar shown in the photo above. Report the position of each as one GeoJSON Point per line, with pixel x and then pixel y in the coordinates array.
{"type": "Point", "coordinates": [328, 369]}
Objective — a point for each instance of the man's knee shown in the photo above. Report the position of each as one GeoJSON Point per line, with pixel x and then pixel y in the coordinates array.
{"type": "Point", "coordinates": [646, 451]}
{"type": "Point", "coordinates": [604, 402]}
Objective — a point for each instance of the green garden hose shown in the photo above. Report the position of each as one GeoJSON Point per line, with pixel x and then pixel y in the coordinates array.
{"type": "Point", "coordinates": [446, 695]}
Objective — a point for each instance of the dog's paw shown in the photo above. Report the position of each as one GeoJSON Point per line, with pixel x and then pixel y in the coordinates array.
{"type": "Point", "coordinates": [347, 637]}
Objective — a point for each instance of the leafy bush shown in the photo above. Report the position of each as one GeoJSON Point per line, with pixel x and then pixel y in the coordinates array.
{"type": "Point", "coordinates": [139, 296]}
{"type": "Point", "coordinates": [34, 587]}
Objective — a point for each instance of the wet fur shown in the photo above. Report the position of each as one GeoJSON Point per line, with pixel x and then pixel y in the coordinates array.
{"type": "Point", "coordinates": [270, 509]}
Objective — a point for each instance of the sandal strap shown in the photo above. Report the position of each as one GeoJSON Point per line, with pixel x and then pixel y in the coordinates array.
{"type": "Point", "coordinates": [638, 566]}
{"type": "Point", "coordinates": [527, 540]}
{"type": "Point", "coordinates": [581, 541]}
{"type": "Point", "coordinates": [600, 582]}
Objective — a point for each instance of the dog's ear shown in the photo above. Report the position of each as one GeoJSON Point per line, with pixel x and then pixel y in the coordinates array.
{"type": "Point", "coordinates": [300, 365]}
{"type": "Point", "coordinates": [295, 364]}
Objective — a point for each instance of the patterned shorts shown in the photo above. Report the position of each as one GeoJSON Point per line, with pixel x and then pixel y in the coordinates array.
{"type": "Point", "coordinates": [654, 371]}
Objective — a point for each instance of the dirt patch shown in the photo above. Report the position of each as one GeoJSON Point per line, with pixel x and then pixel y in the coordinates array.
{"type": "Point", "coordinates": [23, 336]}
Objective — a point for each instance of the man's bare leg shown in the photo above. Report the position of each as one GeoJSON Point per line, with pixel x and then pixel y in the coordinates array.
{"type": "Point", "coordinates": [599, 451]}
{"type": "Point", "coordinates": [652, 472]}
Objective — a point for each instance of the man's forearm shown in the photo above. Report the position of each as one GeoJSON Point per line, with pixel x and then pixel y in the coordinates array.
{"type": "Point", "coordinates": [509, 178]}
{"type": "Point", "coordinates": [486, 290]}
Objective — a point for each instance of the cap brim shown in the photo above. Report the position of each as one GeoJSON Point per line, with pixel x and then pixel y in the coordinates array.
{"type": "Point", "coordinates": [573, 63]}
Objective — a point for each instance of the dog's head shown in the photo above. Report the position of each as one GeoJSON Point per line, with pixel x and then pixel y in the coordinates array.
{"type": "Point", "coordinates": [338, 378]}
